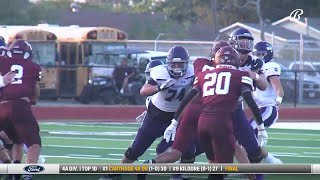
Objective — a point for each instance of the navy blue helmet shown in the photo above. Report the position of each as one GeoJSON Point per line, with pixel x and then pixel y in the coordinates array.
{"type": "Point", "coordinates": [151, 65]}
{"type": "Point", "coordinates": [177, 61]}
{"type": "Point", "coordinates": [242, 40]}
{"type": "Point", "coordinates": [263, 50]}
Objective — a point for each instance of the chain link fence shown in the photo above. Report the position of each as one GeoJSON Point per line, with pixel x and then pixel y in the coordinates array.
{"type": "Point", "coordinates": [300, 72]}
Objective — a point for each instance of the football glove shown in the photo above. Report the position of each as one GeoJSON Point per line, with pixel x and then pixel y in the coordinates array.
{"type": "Point", "coordinates": [170, 132]}
{"type": "Point", "coordinates": [256, 65]}
{"type": "Point", "coordinates": [140, 118]}
{"type": "Point", "coordinates": [166, 85]}
{"type": "Point", "coordinates": [262, 135]}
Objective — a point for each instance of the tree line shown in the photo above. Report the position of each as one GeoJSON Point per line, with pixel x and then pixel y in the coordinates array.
{"type": "Point", "coordinates": [216, 13]}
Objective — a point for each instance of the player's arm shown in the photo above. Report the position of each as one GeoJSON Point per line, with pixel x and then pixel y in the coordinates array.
{"type": "Point", "coordinates": [170, 132]}
{"type": "Point", "coordinates": [247, 96]}
{"type": "Point", "coordinates": [193, 93]}
{"type": "Point", "coordinates": [36, 90]}
{"type": "Point", "coordinates": [36, 94]}
{"type": "Point", "coordinates": [7, 78]}
{"type": "Point", "coordinates": [149, 88]}
{"type": "Point", "coordinates": [260, 80]}
{"type": "Point", "coordinates": [152, 87]}
{"type": "Point", "coordinates": [273, 75]}
{"type": "Point", "coordinates": [246, 88]}
{"type": "Point", "coordinates": [276, 84]}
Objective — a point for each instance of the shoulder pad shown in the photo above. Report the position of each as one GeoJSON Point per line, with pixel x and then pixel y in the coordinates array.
{"type": "Point", "coordinates": [271, 68]}
{"type": "Point", "coordinates": [190, 70]}
{"type": "Point", "coordinates": [206, 67]}
{"type": "Point", "coordinates": [159, 73]}
{"type": "Point", "coordinates": [271, 65]}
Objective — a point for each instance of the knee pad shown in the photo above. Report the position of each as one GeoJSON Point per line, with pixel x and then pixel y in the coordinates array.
{"type": "Point", "coordinates": [256, 156]}
{"type": "Point", "coordinates": [131, 155]}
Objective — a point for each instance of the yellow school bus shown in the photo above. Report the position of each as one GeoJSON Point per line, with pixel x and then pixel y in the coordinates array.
{"type": "Point", "coordinates": [44, 52]}
{"type": "Point", "coordinates": [76, 48]}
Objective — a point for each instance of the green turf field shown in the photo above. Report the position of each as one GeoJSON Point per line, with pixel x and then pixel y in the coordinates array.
{"type": "Point", "coordinates": [106, 143]}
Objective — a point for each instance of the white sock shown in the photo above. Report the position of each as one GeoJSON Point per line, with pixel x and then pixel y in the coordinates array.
{"type": "Point", "coordinates": [272, 160]}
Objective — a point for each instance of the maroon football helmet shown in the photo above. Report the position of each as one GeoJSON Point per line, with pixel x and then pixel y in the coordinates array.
{"type": "Point", "coordinates": [216, 47]}
{"type": "Point", "coordinates": [227, 55]}
{"type": "Point", "coordinates": [22, 48]}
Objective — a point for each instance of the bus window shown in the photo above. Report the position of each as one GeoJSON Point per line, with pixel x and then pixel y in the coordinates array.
{"type": "Point", "coordinates": [91, 48]}
{"type": "Point", "coordinates": [69, 54]}
{"type": "Point", "coordinates": [73, 54]}
{"type": "Point", "coordinates": [44, 53]}
{"type": "Point", "coordinates": [107, 60]}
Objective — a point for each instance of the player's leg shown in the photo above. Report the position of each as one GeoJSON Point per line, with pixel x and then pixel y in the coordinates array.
{"type": "Point", "coordinates": [27, 129]}
{"type": "Point", "coordinates": [269, 116]}
{"type": "Point", "coordinates": [151, 129]}
{"type": "Point", "coordinates": [4, 156]}
{"type": "Point", "coordinates": [185, 136]}
{"type": "Point", "coordinates": [245, 136]}
{"type": "Point", "coordinates": [7, 143]}
{"type": "Point", "coordinates": [210, 142]}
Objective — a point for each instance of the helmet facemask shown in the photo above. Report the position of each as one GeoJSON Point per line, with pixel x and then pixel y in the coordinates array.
{"type": "Point", "coordinates": [243, 45]}
{"type": "Point", "coordinates": [177, 67]}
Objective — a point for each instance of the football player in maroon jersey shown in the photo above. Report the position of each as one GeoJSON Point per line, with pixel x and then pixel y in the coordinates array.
{"type": "Point", "coordinates": [16, 117]}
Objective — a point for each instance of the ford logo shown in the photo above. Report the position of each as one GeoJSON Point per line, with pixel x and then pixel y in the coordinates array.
{"type": "Point", "coordinates": [34, 168]}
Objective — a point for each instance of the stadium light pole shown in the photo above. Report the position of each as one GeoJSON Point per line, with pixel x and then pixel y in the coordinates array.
{"type": "Point", "coordinates": [156, 40]}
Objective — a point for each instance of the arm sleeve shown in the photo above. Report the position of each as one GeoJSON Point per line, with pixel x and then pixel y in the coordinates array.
{"type": "Point", "coordinates": [247, 96]}
{"type": "Point", "coordinates": [184, 102]}
{"type": "Point", "coordinates": [247, 81]}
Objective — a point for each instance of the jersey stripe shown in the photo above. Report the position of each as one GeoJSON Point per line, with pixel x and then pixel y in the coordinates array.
{"type": "Point", "coordinates": [247, 80]}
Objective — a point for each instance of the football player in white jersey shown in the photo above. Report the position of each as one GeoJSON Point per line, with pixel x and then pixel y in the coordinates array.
{"type": "Point", "coordinates": [147, 71]}
{"type": "Point", "coordinates": [269, 100]}
{"type": "Point", "coordinates": [168, 85]}
{"type": "Point", "coordinates": [242, 40]}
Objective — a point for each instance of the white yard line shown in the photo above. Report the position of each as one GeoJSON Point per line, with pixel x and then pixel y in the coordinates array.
{"type": "Point", "coordinates": [282, 154]}
{"type": "Point", "coordinates": [88, 147]}
{"type": "Point", "coordinates": [83, 155]}
{"type": "Point", "coordinates": [91, 125]}
{"type": "Point", "coordinates": [297, 125]}
{"type": "Point", "coordinates": [74, 157]}
{"type": "Point", "coordinates": [86, 133]}
{"type": "Point", "coordinates": [83, 138]}
{"type": "Point", "coordinates": [128, 140]}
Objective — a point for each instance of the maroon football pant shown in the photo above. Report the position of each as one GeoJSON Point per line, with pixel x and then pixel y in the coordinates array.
{"type": "Point", "coordinates": [19, 123]}
{"type": "Point", "coordinates": [215, 133]}
{"type": "Point", "coordinates": [187, 129]}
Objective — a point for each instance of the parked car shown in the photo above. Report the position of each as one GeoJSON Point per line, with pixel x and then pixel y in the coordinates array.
{"type": "Point", "coordinates": [310, 70]}
{"type": "Point", "coordinates": [290, 83]}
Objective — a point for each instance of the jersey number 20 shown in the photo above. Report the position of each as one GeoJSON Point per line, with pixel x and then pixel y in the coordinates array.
{"type": "Point", "coordinates": [19, 73]}
{"type": "Point", "coordinates": [221, 87]}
